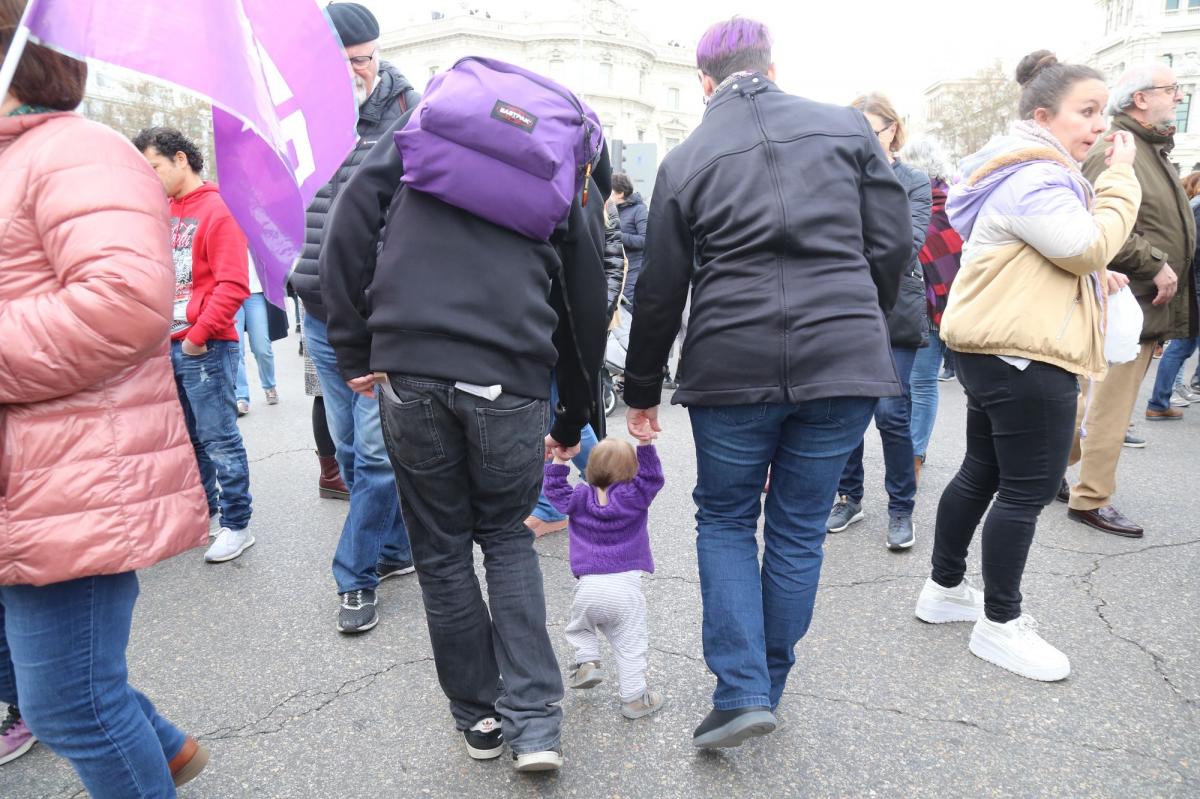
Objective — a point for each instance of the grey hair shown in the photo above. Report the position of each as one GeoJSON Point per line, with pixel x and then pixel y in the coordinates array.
{"type": "Point", "coordinates": [1133, 80]}
{"type": "Point", "coordinates": [927, 156]}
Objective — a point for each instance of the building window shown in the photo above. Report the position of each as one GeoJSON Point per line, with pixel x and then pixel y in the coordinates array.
{"type": "Point", "coordinates": [672, 143]}
{"type": "Point", "coordinates": [1172, 5]}
{"type": "Point", "coordinates": [1181, 114]}
{"type": "Point", "coordinates": [606, 75]}
{"type": "Point", "coordinates": [433, 70]}
{"type": "Point", "coordinates": [673, 99]}
{"type": "Point", "coordinates": [1193, 5]}
{"type": "Point", "coordinates": [641, 134]}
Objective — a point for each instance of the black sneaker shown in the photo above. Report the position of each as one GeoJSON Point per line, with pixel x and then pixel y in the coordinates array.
{"type": "Point", "coordinates": [726, 728]}
{"type": "Point", "coordinates": [1064, 491]}
{"type": "Point", "coordinates": [358, 611]}
{"type": "Point", "coordinates": [485, 741]}
{"type": "Point", "coordinates": [388, 568]}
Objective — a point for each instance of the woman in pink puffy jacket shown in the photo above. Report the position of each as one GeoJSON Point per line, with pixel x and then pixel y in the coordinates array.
{"type": "Point", "coordinates": [97, 474]}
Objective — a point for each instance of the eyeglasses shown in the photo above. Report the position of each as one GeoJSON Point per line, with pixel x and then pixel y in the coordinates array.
{"type": "Point", "coordinates": [362, 60]}
{"type": "Point", "coordinates": [884, 128]}
{"type": "Point", "coordinates": [1173, 87]}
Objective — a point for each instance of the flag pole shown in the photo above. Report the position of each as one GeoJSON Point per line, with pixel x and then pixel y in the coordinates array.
{"type": "Point", "coordinates": [12, 56]}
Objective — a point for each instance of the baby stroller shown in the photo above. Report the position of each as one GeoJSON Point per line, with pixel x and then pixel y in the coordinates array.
{"type": "Point", "coordinates": [612, 376]}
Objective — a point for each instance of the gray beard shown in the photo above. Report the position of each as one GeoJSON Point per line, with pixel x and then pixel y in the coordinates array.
{"type": "Point", "coordinates": [360, 90]}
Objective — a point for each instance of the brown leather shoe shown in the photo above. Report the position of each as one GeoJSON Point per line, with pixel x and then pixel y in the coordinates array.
{"type": "Point", "coordinates": [1108, 519]}
{"type": "Point", "coordinates": [541, 528]}
{"type": "Point", "coordinates": [190, 761]}
{"type": "Point", "coordinates": [331, 485]}
{"type": "Point", "coordinates": [1170, 414]}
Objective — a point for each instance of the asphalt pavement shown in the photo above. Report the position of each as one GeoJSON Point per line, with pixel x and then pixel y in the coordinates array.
{"type": "Point", "coordinates": [246, 656]}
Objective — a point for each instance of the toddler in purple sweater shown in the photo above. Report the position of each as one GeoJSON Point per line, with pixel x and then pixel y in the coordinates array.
{"type": "Point", "coordinates": [610, 548]}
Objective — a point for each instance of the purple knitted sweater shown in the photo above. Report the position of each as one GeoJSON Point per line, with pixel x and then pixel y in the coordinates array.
{"type": "Point", "coordinates": [612, 538]}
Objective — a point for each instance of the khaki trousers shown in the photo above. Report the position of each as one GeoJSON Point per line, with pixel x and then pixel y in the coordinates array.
{"type": "Point", "coordinates": [1112, 402]}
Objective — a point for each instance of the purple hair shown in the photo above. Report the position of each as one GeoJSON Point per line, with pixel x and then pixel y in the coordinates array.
{"type": "Point", "coordinates": [735, 45]}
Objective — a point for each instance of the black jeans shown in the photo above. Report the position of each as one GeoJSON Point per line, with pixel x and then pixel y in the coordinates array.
{"type": "Point", "coordinates": [1019, 430]}
{"type": "Point", "coordinates": [470, 471]}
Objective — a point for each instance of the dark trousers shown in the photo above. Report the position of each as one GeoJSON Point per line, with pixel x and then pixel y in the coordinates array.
{"type": "Point", "coordinates": [1019, 430]}
{"type": "Point", "coordinates": [892, 415]}
{"type": "Point", "coordinates": [469, 472]}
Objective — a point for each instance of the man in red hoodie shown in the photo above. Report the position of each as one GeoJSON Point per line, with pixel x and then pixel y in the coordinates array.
{"type": "Point", "coordinates": [211, 283]}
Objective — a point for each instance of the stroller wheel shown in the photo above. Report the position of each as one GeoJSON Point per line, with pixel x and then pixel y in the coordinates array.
{"type": "Point", "coordinates": [609, 396]}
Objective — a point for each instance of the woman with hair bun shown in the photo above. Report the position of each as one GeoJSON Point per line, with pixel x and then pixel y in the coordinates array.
{"type": "Point", "coordinates": [1025, 319]}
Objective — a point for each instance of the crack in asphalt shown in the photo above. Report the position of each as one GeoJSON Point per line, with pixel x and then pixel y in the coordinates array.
{"type": "Point", "coordinates": [1024, 736]}
{"type": "Point", "coordinates": [1099, 603]}
{"type": "Point", "coordinates": [270, 455]}
{"type": "Point", "coordinates": [318, 700]}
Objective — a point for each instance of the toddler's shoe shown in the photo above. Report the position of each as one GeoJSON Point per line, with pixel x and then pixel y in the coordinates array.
{"type": "Point", "coordinates": [588, 674]}
{"type": "Point", "coordinates": [649, 702]}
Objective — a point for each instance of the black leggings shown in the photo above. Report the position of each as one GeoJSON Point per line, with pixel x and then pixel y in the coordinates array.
{"type": "Point", "coordinates": [1019, 430]}
{"type": "Point", "coordinates": [320, 425]}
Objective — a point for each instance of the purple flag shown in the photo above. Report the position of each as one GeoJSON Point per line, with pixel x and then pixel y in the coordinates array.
{"type": "Point", "coordinates": [283, 102]}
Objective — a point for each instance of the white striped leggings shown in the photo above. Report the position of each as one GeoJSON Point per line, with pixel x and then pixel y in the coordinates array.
{"type": "Point", "coordinates": [612, 604]}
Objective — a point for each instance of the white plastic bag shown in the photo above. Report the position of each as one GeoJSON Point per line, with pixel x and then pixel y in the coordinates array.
{"type": "Point", "coordinates": [1124, 328]}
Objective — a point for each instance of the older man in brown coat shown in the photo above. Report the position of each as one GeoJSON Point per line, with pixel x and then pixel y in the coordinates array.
{"type": "Point", "coordinates": [1158, 260]}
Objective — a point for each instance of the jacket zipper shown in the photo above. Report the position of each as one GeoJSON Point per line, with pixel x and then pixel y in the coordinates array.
{"type": "Point", "coordinates": [1070, 314]}
{"type": "Point", "coordinates": [774, 167]}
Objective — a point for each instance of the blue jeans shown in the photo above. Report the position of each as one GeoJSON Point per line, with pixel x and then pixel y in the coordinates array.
{"type": "Point", "coordinates": [587, 442]}
{"type": "Point", "coordinates": [62, 650]}
{"type": "Point", "coordinates": [253, 317]}
{"type": "Point", "coordinates": [374, 527]}
{"type": "Point", "coordinates": [754, 616]}
{"type": "Point", "coordinates": [206, 392]}
{"type": "Point", "coordinates": [891, 420]}
{"type": "Point", "coordinates": [924, 390]}
{"type": "Point", "coordinates": [1170, 370]}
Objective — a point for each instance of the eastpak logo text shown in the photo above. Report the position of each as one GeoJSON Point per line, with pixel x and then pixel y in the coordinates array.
{"type": "Point", "coordinates": [517, 117]}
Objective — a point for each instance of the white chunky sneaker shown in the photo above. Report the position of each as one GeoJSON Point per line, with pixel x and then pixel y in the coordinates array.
{"type": "Point", "coordinates": [1016, 646]}
{"type": "Point", "coordinates": [229, 544]}
{"type": "Point", "coordinates": [938, 605]}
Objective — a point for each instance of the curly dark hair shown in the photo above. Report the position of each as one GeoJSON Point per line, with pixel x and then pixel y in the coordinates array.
{"type": "Point", "coordinates": [169, 141]}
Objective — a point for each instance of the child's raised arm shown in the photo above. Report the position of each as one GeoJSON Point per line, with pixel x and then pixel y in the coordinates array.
{"type": "Point", "coordinates": [556, 488]}
{"type": "Point", "coordinates": [649, 480]}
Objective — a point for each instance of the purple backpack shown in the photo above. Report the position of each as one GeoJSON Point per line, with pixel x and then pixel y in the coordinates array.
{"type": "Point", "coordinates": [501, 142]}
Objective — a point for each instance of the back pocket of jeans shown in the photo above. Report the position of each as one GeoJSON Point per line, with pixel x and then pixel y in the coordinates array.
{"type": "Point", "coordinates": [513, 440]}
{"type": "Point", "coordinates": [409, 432]}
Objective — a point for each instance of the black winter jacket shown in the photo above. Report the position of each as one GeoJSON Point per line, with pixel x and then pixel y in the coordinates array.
{"type": "Point", "coordinates": [392, 97]}
{"type": "Point", "coordinates": [614, 260]}
{"type": "Point", "coordinates": [914, 330]}
{"type": "Point", "coordinates": [454, 297]}
{"type": "Point", "coordinates": [783, 217]}
{"type": "Point", "coordinates": [634, 217]}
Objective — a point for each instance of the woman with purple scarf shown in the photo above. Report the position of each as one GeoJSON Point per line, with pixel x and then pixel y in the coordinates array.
{"type": "Point", "coordinates": [1025, 320]}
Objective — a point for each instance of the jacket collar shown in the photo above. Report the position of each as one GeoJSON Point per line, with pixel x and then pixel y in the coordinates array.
{"type": "Point", "coordinates": [12, 127]}
{"type": "Point", "coordinates": [389, 85]}
{"type": "Point", "coordinates": [754, 83]}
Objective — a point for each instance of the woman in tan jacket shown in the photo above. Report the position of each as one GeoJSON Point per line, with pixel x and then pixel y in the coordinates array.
{"type": "Point", "coordinates": [1025, 319]}
{"type": "Point", "coordinates": [97, 474]}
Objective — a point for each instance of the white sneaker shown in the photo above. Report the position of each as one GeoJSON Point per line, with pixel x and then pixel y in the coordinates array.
{"type": "Point", "coordinates": [1016, 646]}
{"type": "Point", "coordinates": [938, 605]}
{"type": "Point", "coordinates": [229, 544]}
{"type": "Point", "coordinates": [550, 760]}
